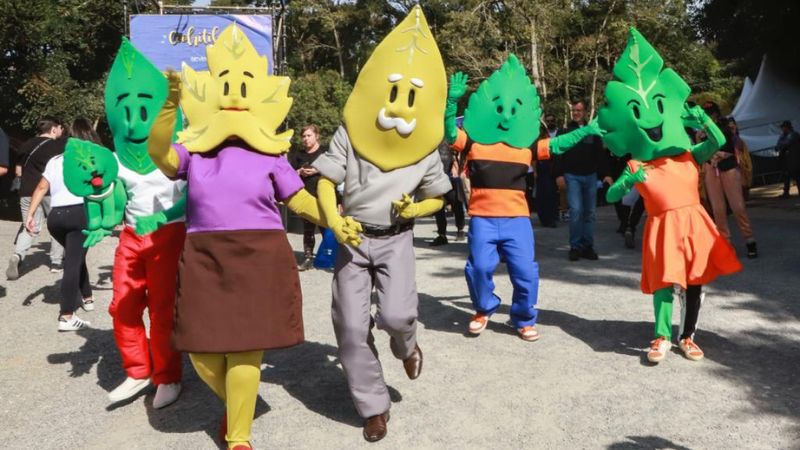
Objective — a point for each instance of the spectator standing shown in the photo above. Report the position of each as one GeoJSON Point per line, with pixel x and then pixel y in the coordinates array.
{"type": "Point", "coordinates": [34, 156]}
{"type": "Point", "coordinates": [301, 161]}
{"type": "Point", "coordinates": [788, 147]}
{"type": "Point", "coordinates": [454, 198]}
{"type": "Point", "coordinates": [546, 188]}
{"type": "Point", "coordinates": [578, 171]}
{"type": "Point", "coordinates": [4, 158]}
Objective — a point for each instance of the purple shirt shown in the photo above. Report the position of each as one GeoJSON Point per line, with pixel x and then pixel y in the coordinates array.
{"type": "Point", "coordinates": [235, 189]}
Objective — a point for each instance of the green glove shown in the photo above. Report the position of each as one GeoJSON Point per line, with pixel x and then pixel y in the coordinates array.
{"type": "Point", "coordinates": [94, 237]}
{"type": "Point", "coordinates": [458, 87]}
{"type": "Point", "coordinates": [151, 223]}
{"type": "Point", "coordinates": [560, 144]}
{"type": "Point", "coordinates": [625, 183]}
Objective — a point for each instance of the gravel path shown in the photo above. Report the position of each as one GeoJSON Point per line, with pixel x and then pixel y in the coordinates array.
{"type": "Point", "coordinates": [585, 384]}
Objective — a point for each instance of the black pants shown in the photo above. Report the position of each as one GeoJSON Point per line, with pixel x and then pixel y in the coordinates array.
{"type": "Point", "coordinates": [309, 237]}
{"type": "Point", "coordinates": [628, 216]}
{"type": "Point", "coordinates": [692, 311]}
{"type": "Point", "coordinates": [546, 194]}
{"type": "Point", "coordinates": [66, 224]}
{"type": "Point", "coordinates": [453, 199]}
{"type": "Point", "coordinates": [788, 177]}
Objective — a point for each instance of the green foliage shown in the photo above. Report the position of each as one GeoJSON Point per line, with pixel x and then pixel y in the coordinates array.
{"type": "Point", "coordinates": [318, 99]}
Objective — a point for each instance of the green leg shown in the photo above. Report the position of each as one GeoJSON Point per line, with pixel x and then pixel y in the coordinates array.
{"type": "Point", "coordinates": [662, 304]}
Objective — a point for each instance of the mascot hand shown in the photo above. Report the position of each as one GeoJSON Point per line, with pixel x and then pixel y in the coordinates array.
{"type": "Point", "coordinates": [149, 224]}
{"type": "Point", "coordinates": [94, 237]}
{"type": "Point", "coordinates": [174, 93]}
{"type": "Point", "coordinates": [406, 207]}
{"type": "Point", "coordinates": [346, 231]}
{"type": "Point", "coordinates": [594, 128]}
{"type": "Point", "coordinates": [694, 117]}
{"type": "Point", "coordinates": [640, 176]}
{"type": "Point", "coordinates": [458, 86]}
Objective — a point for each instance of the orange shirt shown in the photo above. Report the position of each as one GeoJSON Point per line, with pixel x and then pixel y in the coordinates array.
{"type": "Point", "coordinates": [497, 177]}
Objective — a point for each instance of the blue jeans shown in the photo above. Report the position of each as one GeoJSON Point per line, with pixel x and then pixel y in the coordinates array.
{"type": "Point", "coordinates": [582, 199]}
{"type": "Point", "coordinates": [513, 237]}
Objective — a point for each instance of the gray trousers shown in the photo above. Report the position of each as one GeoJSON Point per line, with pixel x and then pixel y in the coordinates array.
{"type": "Point", "coordinates": [388, 264]}
{"type": "Point", "coordinates": [24, 240]}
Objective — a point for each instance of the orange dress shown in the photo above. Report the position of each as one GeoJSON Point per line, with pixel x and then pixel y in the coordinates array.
{"type": "Point", "coordinates": [681, 244]}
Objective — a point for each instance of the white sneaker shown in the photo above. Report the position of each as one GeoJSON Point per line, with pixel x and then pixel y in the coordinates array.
{"type": "Point", "coordinates": [74, 323]}
{"type": "Point", "coordinates": [12, 272]}
{"type": "Point", "coordinates": [166, 394]}
{"type": "Point", "coordinates": [88, 304]}
{"type": "Point", "coordinates": [128, 389]}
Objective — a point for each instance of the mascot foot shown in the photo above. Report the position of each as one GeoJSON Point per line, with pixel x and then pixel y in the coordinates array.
{"type": "Point", "coordinates": [690, 349]}
{"type": "Point", "coordinates": [478, 323]}
{"type": "Point", "coordinates": [128, 389]}
{"type": "Point", "coordinates": [658, 349]}
{"type": "Point", "coordinates": [166, 394]}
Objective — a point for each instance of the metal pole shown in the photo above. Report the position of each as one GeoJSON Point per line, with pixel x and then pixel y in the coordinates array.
{"type": "Point", "coordinates": [125, 29]}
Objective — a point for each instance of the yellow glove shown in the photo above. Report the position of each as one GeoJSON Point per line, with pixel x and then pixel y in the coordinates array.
{"type": "Point", "coordinates": [345, 229]}
{"type": "Point", "coordinates": [159, 143]}
{"type": "Point", "coordinates": [408, 209]}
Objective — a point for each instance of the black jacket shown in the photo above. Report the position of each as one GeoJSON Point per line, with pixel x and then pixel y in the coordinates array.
{"type": "Point", "coordinates": [585, 158]}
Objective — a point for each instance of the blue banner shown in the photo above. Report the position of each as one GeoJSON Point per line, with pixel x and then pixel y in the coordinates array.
{"type": "Point", "coordinates": [169, 40]}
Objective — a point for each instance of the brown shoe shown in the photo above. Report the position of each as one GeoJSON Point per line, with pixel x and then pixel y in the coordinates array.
{"type": "Point", "coordinates": [413, 364]}
{"type": "Point", "coordinates": [375, 427]}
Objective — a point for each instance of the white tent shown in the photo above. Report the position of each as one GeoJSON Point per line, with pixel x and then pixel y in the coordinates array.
{"type": "Point", "coordinates": [763, 105]}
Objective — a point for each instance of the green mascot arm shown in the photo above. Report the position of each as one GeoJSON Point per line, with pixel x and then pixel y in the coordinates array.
{"type": "Point", "coordinates": [458, 87]}
{"type": "Point", "coordinates": [560, 144]}
{"type": "Point", "coordinates": [152, 222]}
{"type": "Point", "coordinates": [345, 229]}
{"type": "Point", "coordinates": [159, 142]}
{"type": "Point", "coordinates": [408, 209]}
{"type": "Point", "coordinates": [625, 183]}
{"type": "Point", "coordinates": [695, 117]}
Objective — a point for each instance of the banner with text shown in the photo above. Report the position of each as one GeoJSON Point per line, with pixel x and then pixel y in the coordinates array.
{"type": "Point", "coordinates": [169, 40]}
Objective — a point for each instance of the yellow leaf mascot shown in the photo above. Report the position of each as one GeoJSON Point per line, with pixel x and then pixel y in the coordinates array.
{"type": "Point", "coordinates": [239, 291]}
{"type": "Point", "coordinates": [385, 155]}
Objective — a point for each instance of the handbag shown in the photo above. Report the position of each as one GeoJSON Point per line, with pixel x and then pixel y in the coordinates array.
{"type": "Point", "coordinates": [326, 254]}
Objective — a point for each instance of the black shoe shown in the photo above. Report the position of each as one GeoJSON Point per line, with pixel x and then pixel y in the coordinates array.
{"type": "Point", "coordinates": [440, 240]}
{"type": "Point", "coordinates": [589, 253]}
{"type": "Point", "coordinates": [574, 254]}
{"type": "Point", "coordinates": [307, 264]}
{"type": "Point", "coordinates": [629, 240]}
{"type": "Point", "coordinates": [752, 251]}
{"type": "Point", "coordinates": [784, 195]}
{"type": "Point", "coordinates": [549, 225]}
{"type": "Point", "coordinates": [460, 236]}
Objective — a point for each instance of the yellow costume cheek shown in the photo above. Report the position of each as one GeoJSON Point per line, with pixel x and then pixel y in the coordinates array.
{"type": "Point", "coordinates": [395, 114]}
{"type": "Point", "coordinates": [235, 98]}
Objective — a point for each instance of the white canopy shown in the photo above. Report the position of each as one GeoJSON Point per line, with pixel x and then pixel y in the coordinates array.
{"type": "Point", "coordinates": [763, 105]}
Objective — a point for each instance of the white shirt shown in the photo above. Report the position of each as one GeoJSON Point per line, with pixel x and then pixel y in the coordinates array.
{"type": "Point", "coordinates": [59, 194]}
{"type": "Point", "coordinates": [149, 193]}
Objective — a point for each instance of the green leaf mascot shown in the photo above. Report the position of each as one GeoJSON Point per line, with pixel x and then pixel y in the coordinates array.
{"type": "Point", "coordinates": [152, 209]}
{"type": "Point", "coordinates": [501, 124]}
{"type": "Point", "coordinates": [644, 115]}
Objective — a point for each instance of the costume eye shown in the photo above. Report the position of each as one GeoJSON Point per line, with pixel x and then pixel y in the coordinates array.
{"type": "Point", "coordinates": [513, 110]}
{"type": "Point", "coordinates": [636, 112]}
{"type": "Point", "coordinates": [127, 114]}
{"type": "Point", "coordinates": [393, 94]}
{"type": "Point", "coordinates": [226, 89]}
{"type": "Point", "coordinates": [244, 90]}
{"type": "Point", "coordinates": [143, 114]}
{"type": "Point", "coordinates": [499, 109]}
{"type": "Point", "coordinates": [411, 95]}
{"type": "Point", "coordinates": [660, 106]}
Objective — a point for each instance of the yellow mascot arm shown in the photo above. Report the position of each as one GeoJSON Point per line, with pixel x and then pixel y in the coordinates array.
{"type": "Point", "coordinates": [345, 229]}
{"type": "Point", "coordinates": [159, 143]}
{"type": "Point", "coordinates": [408, 209]}
{"type": "Point", "coordinates": [305, 205]}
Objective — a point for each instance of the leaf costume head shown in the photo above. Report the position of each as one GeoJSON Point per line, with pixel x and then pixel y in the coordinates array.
{"type": "Point", "coordinates": [236, 96]}
{"type": "Point", "coordinates": [505, 108]}
{"type": "Point", "coordinates": [395, 114]}
{"type": "Point", "coordinates": [89, 169]}
{"type": "Point", "coordinates": [644, 105]}
{"type": "Point", "coordinates": [135, 92]}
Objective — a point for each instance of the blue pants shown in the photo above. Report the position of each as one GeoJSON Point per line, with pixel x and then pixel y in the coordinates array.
{"type": "Point", "coordinates": [513, 237]}
{"type": "Point", "coordinates": [582, 199]}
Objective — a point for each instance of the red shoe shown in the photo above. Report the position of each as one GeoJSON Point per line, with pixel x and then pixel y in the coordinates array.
{"type": "Point", "coordinates": [690, 349]}
{"type": "Point", "coordinates": [528, 333]}
{"type": "Point", "coordinates": [658, 349]}
{"type": "Point", "coordinates": [241, 447]}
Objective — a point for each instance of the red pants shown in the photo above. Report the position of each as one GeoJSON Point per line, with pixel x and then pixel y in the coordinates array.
{"type": "Point", "coordinates": [145, 273]}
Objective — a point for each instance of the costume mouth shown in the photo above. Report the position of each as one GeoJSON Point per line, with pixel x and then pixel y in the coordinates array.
{"type": "Point", "coordinates": [499, 125]}
{"type": "Point", "coordinates": [235, 109]}
{"type": "Point", "coordinates": [137, 141]}
{"type": "Point", "coordinates": [654, 134]}
{"type": "Point", "coordinates": [96, 181]}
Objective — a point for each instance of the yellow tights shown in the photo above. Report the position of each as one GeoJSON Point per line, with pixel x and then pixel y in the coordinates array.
{"type": "Point", "coordinates": [234, 377]}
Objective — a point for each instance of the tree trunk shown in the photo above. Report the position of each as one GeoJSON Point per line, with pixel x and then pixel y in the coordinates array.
{"type": "Point", "coordinates": [597, 56]}
{"type": "Point", "coordinates": [338, 51]}
{"type": "Point", "coordinates": [537, 78]}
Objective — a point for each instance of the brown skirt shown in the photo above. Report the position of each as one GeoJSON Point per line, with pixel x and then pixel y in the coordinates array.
{"type": "Point", "coordinates": [238, 291]}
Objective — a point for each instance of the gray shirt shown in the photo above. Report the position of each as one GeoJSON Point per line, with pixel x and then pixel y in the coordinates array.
{"type": "Point", "coordinates": [369, 191]}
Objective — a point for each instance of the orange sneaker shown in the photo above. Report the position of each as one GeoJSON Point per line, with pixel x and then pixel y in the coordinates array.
{"type": "Point", "coordinates": [658, 349]}
{"type": "Point", "coordinates": [528, 333]}
{"type": "Point", "coordinates": [478, 323]}
{"type": "Point", "coordinates": [690, 349]}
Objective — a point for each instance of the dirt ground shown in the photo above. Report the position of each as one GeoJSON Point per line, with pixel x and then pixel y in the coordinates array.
{"type": "Point", "coordinates": [585, 384]}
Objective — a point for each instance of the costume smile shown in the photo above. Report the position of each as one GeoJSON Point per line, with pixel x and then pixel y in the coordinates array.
{"type": "Point", "coordinates": [655, 134]}
{"type": "Point", "coordinates": [137, 140]}
{"type": "Point", "coordinates": [500, 126]}
{"type": "Point", "coordinates": [402, 127]}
